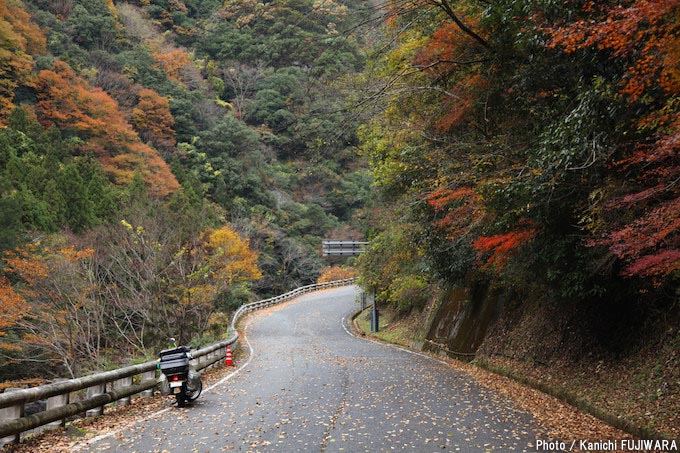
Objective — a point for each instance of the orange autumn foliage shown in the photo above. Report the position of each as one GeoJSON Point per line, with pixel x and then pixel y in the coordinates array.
{"type": "Point", "coordinates": [153, 120]}
{"type": "Point", "coordinates": [30, 38]}
{"type": "Point", "coordinates": [172, 62]}
{"type": "Point", "coordinates": [112, 8]}
{"type": "Point", "coordinates": [178, 5]}
{"type": "Point", "coordinates": [451, 50]}
{"type": "Point", "coordinates": [30, 263]}
{"type": "Point", "coordinates": [19, 39]}
{"type": "Point", "coordinates": [12, 308]}
{"type": "Point", "coordinates": [72, 104]}
{"type": "Point", "coordinates": [72, 255]}
{"type": "Point", "coordinates": [21, 262]}
{"type": "Point", "coordinates": [44, 301]}
{"type": "Point", "coordinates": [333, 273]}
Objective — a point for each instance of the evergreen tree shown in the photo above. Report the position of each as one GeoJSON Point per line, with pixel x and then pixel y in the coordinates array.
{"type": "Point", "coordinates": [79, 209]}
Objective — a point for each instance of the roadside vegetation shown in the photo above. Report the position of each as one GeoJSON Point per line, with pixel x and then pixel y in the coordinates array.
{"type": "Point", "coordinates": [394, 327]}
{"type": "Point", "coordinates": [531, 149]}
{"type": "Point", "coordinates": [529, 143]}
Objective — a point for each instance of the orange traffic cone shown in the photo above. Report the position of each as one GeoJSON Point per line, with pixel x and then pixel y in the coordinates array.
{"type": "Point", "coordinates": [229, 360]}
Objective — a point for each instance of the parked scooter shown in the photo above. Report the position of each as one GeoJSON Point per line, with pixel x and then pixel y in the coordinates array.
{"type": "Point", "coordinates": [178, 377]}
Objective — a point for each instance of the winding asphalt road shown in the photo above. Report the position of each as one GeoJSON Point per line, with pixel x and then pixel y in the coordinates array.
{"type": "Point", "coordinates": [309, 385]}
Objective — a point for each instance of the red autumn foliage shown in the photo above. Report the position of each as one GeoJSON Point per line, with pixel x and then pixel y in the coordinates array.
{"type": "Point", "coordinates": [650, 245]}
{"type": "Point", "coordinates": [461, 208]}
{"type": "Point", "coordinates": [502, 246]}
{"type": "Point", "coordinates": [451, 49]}
{"type": "Point", "coordinates": [72, 104]}
{"type": "Point", "coordinates": [643, 36]}
{"type": "Point", "coordinates": [645, 32]}
{"type": "Point", "coordinates": [459, 108]}
{"type": "Point", "coordinates": [663, 263]}
{"type": "Point", "coordinates": [441, 198]}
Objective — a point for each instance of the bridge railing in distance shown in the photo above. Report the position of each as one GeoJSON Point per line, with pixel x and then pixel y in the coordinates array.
{"type": "Point", "coordinates": [116, 386]}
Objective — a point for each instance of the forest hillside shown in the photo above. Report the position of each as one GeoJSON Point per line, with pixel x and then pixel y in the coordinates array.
{"type": "Point", "coordinates": [161, 163]}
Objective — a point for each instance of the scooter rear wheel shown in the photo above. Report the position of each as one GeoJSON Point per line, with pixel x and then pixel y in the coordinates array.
{"type": "Point", "coordinates": [191, 396]}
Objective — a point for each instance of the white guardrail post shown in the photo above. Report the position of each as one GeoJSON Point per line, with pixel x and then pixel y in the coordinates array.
{"type": "Point", "coordinates": [92, 392]}
{"type": "Point", "coordinates": [56, 401]}
{"type": "Point", "coordinates": [116, 386]}
{"type": "Point", "coordinates": [121, 384]}
{"type": "Point", "coordinates": [13, 412]}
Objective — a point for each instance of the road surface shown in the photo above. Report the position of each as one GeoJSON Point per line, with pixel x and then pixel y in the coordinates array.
{"type": "Point", "coordinates": [309, 385]}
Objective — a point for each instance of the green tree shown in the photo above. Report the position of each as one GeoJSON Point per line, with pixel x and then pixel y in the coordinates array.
{"type": "Point", "coordinates": [79, 209]}
{"type": "Point", "coordinates": [91, 25]}
{"type": "Point", "coordinates": [11, 227]}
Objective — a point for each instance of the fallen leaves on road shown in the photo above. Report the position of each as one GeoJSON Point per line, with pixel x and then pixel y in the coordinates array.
{"type": "Point", "coordinates": [115, 418]}
{"type": "Point", "coordinates": [563, 420]}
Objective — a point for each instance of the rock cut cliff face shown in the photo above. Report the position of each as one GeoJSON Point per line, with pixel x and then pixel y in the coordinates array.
{"type": "Point", "coordinates": [464, 316]}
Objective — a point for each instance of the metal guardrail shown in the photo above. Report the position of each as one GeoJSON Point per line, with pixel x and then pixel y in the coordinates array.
{"type": "Point", "coordinates": [116, 386]}
{"type": "Point", "coordinates": [247, 308]}
{"type": "Point", "coordinates": [345, 248]}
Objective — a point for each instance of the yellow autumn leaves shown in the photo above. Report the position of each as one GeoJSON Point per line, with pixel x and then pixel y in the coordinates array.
{"type": "Point", "coordinates": [231, 256]}
{"type": "Point", "coordinates": [223, 259]}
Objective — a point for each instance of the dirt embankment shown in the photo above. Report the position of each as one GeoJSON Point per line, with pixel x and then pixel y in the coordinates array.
{"type": "Point", "coordinates": [620, 361]}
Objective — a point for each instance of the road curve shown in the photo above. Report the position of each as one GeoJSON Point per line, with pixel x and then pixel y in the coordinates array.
{"type": "Point", "coordinates": [311, 386]}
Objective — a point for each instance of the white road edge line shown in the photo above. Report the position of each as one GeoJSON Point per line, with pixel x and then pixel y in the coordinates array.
{"type": "Point", "coordinates": [77, 447]}
{"type": "Point", "coordinates": [402, 348]}
{"type": "Point", "coordinates": [163, 411]}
